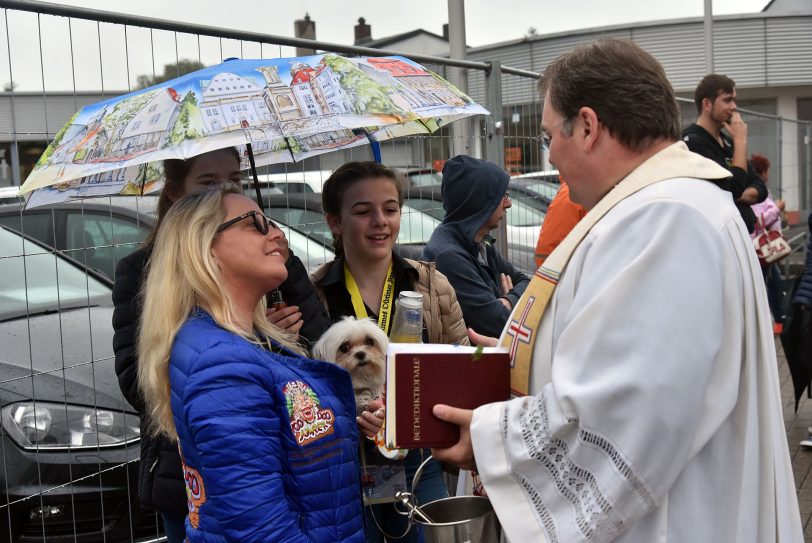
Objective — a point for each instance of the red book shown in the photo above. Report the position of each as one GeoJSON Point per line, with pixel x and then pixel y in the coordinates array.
{"type": "Point", "coordinates": [419, 376]}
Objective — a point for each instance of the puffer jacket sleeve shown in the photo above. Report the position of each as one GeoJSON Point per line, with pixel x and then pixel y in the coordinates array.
{"type": "Point", "coordinates": [804, 293]}
{"type": "Point", "coordinates": [227, 394]}
{"type": "Point", "coordinates": [298, 290]}
{"type": "Point", "coordinates": [454, 329]}
{"type": "Point", "coordinates": [126, 313]}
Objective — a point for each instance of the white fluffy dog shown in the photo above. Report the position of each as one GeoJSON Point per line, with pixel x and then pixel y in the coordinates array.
{"type": "Point", "coordinates": [359, 347]}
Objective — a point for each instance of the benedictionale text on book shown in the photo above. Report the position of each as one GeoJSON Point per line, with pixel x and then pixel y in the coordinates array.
{"type": "Point", "coordinates": [421, 375]}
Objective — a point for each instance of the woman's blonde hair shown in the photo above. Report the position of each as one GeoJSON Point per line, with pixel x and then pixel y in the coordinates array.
{"type": "Point", "coordinates": [182, 275]}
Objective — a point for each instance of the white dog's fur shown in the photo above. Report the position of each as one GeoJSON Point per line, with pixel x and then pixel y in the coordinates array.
{"type": "Point", "coordinates": [359, 347]}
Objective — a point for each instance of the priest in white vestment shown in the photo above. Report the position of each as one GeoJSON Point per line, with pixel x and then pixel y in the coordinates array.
{"type": "Point", "coordinates": [653, 410]}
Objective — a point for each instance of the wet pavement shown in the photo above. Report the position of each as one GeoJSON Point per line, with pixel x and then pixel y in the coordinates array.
{"type": "Point", "coordinates": [796, 425]}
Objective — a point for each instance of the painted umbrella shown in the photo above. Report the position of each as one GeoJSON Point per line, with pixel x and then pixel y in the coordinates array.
{"type": "Point", "coordinates": [281, 110]}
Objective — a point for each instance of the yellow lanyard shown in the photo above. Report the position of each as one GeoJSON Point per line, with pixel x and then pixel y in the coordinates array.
{"type": "Point", "coordinates": [358, 302]}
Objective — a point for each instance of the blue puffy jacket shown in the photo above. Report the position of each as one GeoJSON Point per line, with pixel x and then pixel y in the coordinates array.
{"type": "Point", "coordinates": [269, 441]}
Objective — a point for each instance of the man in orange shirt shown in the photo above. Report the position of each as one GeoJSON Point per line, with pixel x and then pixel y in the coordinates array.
{"type": "Point", "coordinates": [562, 215]}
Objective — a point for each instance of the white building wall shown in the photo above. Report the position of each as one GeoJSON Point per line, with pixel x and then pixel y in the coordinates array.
{"type": "Point", "coordinates": [790, 171]}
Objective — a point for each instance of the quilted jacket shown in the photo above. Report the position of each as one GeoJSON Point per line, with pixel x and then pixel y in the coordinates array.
{"type": "Point", "coordinates": [442, 315]}
{"type": "Point", "coordinates": [268, 440]}
{"type": "Point", "coordinates": [804, 293]}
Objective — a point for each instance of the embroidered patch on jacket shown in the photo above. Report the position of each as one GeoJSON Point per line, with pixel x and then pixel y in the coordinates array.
{"type": "Point", "coordinates": [308, 420]}
{"type": "Point", "coordinates": [195, 494]}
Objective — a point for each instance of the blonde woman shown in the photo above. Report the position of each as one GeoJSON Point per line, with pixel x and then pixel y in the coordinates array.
{"type": "Point", "coordinates": [268, 437]}
{"type": "Point", "coordinates": [160, 476]}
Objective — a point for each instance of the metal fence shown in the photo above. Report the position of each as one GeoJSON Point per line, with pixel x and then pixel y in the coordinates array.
{"type": "Point", "coordinates": [68, 442]}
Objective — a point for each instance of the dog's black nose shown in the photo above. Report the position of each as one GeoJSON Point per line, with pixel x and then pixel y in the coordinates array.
{"type": "Point", "coordinates": [361, 355]}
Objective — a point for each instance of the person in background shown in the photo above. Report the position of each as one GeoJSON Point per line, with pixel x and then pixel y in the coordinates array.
{"type": "Point", "coordinates": [362, 205]}
{"type": "Point", "coordinates": [267, 437]}
{"type": "Point", "coordinates": [475, 198]}
{"type": "Point", "coordinates": [562, 215]}
{"type": "Point", "coordinates": [160, 478]}
{"type": "Point", "coordinates": [803, 303]}
{"type": "Point", "coordinates": [715, 99]}
{"type": "Point", "coordinates": [768, 217]}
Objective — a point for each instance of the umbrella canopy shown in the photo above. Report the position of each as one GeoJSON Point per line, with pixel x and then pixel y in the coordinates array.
{"type": "Point", "coordinates": [286, 109]}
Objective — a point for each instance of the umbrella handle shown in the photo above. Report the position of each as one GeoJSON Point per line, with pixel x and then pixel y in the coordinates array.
{"type": "Point", "coordinates": [254, 175]}
{"type": "Point", "coordinates": [376, 146]}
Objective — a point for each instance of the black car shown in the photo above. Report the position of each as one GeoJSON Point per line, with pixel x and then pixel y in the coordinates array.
{"type": "Point", "coordinates": [69, 440]}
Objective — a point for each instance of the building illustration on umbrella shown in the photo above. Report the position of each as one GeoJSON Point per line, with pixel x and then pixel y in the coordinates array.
{"type": "Point", "coordinates": [288, 109]}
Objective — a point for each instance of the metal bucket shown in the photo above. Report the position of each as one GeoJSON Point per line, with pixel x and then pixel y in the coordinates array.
{"type": "Point", "coordinates": [458, 519]}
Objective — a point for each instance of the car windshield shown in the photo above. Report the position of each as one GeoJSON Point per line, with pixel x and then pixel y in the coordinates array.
{"type": "Point", "coordinates": [34, 280]}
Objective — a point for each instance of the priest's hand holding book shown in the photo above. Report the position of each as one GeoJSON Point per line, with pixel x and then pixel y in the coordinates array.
{"type": "Point", "coordinates": [431, 391]}
{"type": "Point", "coordinates": [461, 454]}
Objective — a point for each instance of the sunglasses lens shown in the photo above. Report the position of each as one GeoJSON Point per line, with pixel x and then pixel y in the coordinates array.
{"type": "Point", "coordinates": [261, 223]}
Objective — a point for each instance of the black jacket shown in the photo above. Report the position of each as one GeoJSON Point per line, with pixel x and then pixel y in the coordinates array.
{"type": "Point", "coordinates": [298, 290]}
{"type": "Point", "coordinates": [700, 141]}
{"type": "Point", "coordinates": [804, 293]}
{"type": "Point", "coordinates": [160, 478]}
{"type": "Point", "coordinates": [160, 475]}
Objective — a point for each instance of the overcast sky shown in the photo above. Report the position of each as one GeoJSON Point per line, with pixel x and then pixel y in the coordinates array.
{"type": "Point", "coordinates": [487, 21]}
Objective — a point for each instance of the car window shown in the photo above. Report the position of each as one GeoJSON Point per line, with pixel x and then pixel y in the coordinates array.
{"type": "Point", "coordinates": [308, 221]}
{"type": "Point", "coordinates": [310, 251]}
{"type": "Point", "coordinates": [101, 240]}
{"type": "Point", "coordinates": [37, 225]}
{"type": "Point", "coordinates": [426, 179]}
{"type": "Point", "coordinates": [295, 187]}
{"type": "Point", "coordinates": [416, 227]}
{"type": "Point", "coordinates": [521, 214]}
{"type": "Point", "coordinates": [544, 188]}
{"type": "Point", "coordinates": [34, 279]}
{"type": "Point", "coordinates": [433, 208]}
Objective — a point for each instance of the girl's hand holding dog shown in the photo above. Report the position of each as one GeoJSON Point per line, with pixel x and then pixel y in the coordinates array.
{"type": "Point", "coordinates": [371, 420]}
{"type": "Point", "coordinates": [288, 318]}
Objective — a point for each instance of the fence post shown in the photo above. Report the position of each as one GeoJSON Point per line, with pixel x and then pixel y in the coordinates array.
{"type": "Point", "coordinates": [495, 136]}
{"type": "Point", "coordinates": [806, 188]}
{"type": "Point", "coordinates": [780, 152]}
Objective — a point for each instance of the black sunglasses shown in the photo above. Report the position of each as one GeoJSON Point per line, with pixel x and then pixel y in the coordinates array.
{"type": "Point", "coordinates": [261, 222]}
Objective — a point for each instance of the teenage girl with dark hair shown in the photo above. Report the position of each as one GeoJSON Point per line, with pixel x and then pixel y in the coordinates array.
{"type": "Point", "coordinates": [362, 205]}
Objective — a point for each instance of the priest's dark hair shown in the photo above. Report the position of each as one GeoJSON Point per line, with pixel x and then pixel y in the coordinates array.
{"type": "Point", "coordinates": [625, 86]}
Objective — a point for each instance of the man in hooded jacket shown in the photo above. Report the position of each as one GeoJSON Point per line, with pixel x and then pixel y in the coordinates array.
{"type": "Point", "coordinates": [475, 198]}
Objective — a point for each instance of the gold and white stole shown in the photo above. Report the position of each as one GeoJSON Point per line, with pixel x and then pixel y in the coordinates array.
{"type": "Point", "coordinates": [521, 332]}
